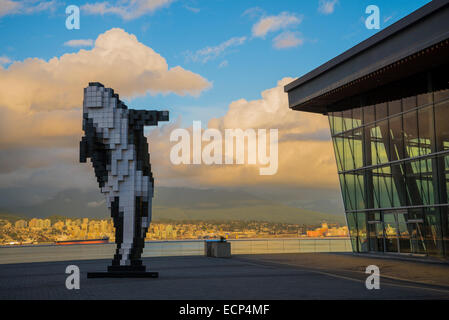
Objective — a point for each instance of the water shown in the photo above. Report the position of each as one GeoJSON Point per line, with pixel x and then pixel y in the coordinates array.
{"type": "Point", "coordinates": [42, 253]}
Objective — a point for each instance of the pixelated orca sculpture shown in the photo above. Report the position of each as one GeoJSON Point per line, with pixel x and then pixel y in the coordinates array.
{"type": "Point", "coordinates": [118, 150]}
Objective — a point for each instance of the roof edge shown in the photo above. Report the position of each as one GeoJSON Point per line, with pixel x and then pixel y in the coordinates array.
{"type": "Point", "coordinates": [382, 35]}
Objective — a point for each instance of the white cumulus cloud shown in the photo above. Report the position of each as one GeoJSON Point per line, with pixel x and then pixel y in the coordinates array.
{"type": "Point", "coordinates": [127, 9]}
{"type": "Point", "coordinates": [327, 6]}
{"type": "Point", "coordinates": [79, 43]}
{"type": "Point", "coordinates": [8, 7]}
{"type": "Point", "coordinates": [210, 53]}
{"type": "Point", "coordinates": [118, 60]}
{"type": "Point", "coordinates": [274, 23]}
{"type": "Point", "coordinates": [4, 60]}
{"type": "Point", "coordinates": [287, 39]}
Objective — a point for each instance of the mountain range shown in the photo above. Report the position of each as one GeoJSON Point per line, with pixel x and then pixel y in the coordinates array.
{"type": "Point", "coordinates": [174, 203]}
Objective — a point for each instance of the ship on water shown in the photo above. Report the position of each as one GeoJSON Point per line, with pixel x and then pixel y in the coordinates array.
{"type": "Point", "coordinates": [87, 241]}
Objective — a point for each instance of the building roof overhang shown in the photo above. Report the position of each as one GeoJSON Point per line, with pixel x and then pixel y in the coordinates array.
{"type": "Point", "coordinates": [412, 45]}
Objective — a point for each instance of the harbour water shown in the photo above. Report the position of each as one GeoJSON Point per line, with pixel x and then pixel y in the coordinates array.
{"type": "Point", "coordinates": [43, 253]}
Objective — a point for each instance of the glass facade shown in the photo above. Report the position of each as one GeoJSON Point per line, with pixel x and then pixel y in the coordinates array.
{"type": "Point", "coordinates": [393, 163]}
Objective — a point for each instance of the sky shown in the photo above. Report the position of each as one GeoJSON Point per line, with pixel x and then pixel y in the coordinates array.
{"type": "Point", "coordinates": [220, 62]}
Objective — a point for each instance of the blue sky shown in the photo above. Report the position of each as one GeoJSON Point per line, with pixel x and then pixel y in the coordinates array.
{"type": "Point", "coordinates": [242, 48]}
{"type": "Point", "coordinates": [182, 28]}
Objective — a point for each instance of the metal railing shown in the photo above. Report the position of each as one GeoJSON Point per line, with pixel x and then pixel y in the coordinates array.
{"type": "Point", "coordinates": [43, 253]}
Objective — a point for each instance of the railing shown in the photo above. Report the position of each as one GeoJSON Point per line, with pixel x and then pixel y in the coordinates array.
{"type": "Point", "coordinates": [297, 245]}
{"type": "Point", "coordinates": [42, 253]}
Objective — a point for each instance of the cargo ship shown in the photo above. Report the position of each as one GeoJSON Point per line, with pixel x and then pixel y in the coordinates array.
{"type": "Point", "coordinates": [88, 241]}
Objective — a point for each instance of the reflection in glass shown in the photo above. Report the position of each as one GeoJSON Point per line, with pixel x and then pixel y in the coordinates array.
{"type": "Point", "coordinates": [396, 138]}
{"type": "Point", "coordinates": [352, 225]}
{"type": "Point", "coordinates": [376, 235]}
{"type": "Point", "coordinates": [347, 120]}
{"type": "Point", "coordinates": [415, 228]}
{"type": "Point", "coordinates": [381, 111]}
{"type": "Point", "coordinates": [369, 114]}
{"type": "Point", "coordinates": [409, 103]}
{"type": "Point", "coordinates": [403, 233]}
{"type": "Point", "coordinates": [426, 130]}
{"type": "Point", "coordinates": [441, 95]}
{"type": "Point", "coordinates": [357, 117]}
{"type": "Point", "coordinates": [391, 233]}
{"type": "Point", "coordinates": [386, 161]}
{"type": "Point", "coordinates": [357, 136]}
{"type": "Point", "coordinates": [411, 134]}
{"type": "Point", "coordinates": [338, 149]}
{"type": "Point", "coordinates": [362, 234]}
{"type": "Point", "coordinates": [394, 107]}
{"type": "Point", "coordinates": [442, 125]}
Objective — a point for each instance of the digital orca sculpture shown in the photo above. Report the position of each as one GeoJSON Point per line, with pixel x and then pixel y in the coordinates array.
{"type": "Point", "coordinates": [115, 143]}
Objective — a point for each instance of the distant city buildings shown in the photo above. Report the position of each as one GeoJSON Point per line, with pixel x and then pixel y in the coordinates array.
{"type": "Point", "coordinates": [37, 231]}
{"type": "Point", "coordinates": [325, 231]}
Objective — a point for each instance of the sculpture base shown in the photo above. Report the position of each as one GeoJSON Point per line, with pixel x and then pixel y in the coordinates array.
{"type": "Point", "coordinates": [136, 271]}
{"type": "Point", "coordinates": [123, 274]}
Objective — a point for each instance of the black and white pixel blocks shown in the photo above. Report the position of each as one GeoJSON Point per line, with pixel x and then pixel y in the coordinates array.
{"type": "Point", "coordinates": [118, 149]}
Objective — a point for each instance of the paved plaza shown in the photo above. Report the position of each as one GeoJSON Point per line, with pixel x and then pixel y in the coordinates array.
{"type": "Point", "coordinates": [277, 276]}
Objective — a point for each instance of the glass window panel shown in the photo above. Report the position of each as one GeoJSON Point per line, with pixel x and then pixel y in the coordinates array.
{"type": "Point", "coordinates": [348, 160]}
{"type": "Point", "coordinates": [391, 232]}
{"type": "Point", "coordinates": [411, 134]}
{"type": "Point", "coordinates": [358, 148]}
{"type": "Point", "coordinates": [350, 182]}
{"type": "Point", "coordinates": [415, 226]}
{"type": "Point", "coordinates": [385, 194]}
{"type": "Point", "coordinates": [426, 130]}
{"type": "Point", "coordinates": [352, 225]}
{"type": "Point", "coordinates": [409, 103]}
{"type": "Point", "coordinates": [347, 120]}
{"type": "Point", "coordinates": [396, 138]}
{"type": "Point", "coordinates": [368, 114]}
{"type": "Point", "coordinates": [360, 196]}
{"type": "Point", "coordinates": [395, 195]}
{"type": "Point", "coordinates": [403, 233]}
{"type": "Point", "coordinates": [414, 214]}
{"type": "Point", "coordinates": [376, 139]}
{"type": "Point", "coordinates": [338, 149]}
{"type": "Point", "coordinates": [362, 232]}
{"type": "Point", "coordinates": [412, 177]}
{"type": "Point", "coordinates": [394, 107]}
{"type": "Point", "coordinates": [343, 189]}
{"type": "Point", "coordinates": [370, 147]}
{"type": "Point", "coordinates": [369, 188]}
{"type": "Point", "coordinates": [382, 144]}
{"type": "Point", "coordinates": [432, 231]}
{"type": "Point", "coordinates": [444, 213]}
{"type": "Point", "coordinates": [380, 235]}
{"type": "Point", "coordinates": [382, 187]}
{"type": "Point", "coordinates": [425, 98]}
{"type": "Point", "coordinates": [426, 181]}
{"type": "Point", "coordinates": [398, 186]}
{"type": "Point", "coordinates": [446, 177]}
{"type": "Point", "coordinates": [357, 117]}
{"type": "Point", "coordinates": [376, 189]}
{"type": "Point", "coordinates": [381, 111]}
{"type": "Point", "coordinates": [442, 125]}
{"type": "Point", "coordinates": [330, 117]}
{"type": "Point", "coordinates": [373, 245]}
{"type": "Point", "coordinates": [439, 96]}
{"type": "Point", "coordinates": [336, 122]}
